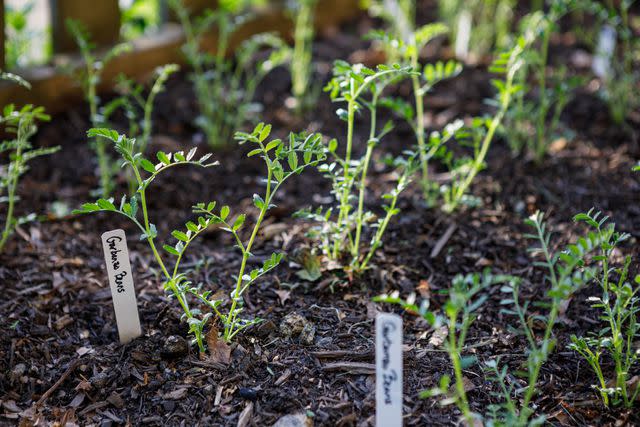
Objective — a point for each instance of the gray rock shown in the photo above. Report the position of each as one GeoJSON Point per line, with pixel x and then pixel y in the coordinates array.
{"type": "Point", "coordinates": [308, 334]}
{"type": "Point", "coordinates": [292, 325]}
{"type": "Point", "coordinates": [175, 347]}
{"type": "Point", "coordinates": [294, 420]}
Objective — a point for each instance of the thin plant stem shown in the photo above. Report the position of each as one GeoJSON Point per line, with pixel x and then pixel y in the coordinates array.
{"type": "Point", "coordinates": [541, 142]}
{"type": "Point", "coordinates": [419, 128]}
{"type": "Point", "coordinates": [378, 236]}
{"type": "Point", "coordinates": [363, 178]}
{"type": "Point", "coordinates": [229, 332]}
{"type": "Point", "coordinates": [454, 353]}
{"type": "Point", "coordinates": [171, 279]}
{"type": "Point", "coordinates": [13, 183]}
{"type": "Point", "coordinates": [344, 199]}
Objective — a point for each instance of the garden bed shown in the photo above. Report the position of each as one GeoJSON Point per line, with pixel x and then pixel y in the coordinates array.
{"type": "Point", "coordinates": [59, 355]}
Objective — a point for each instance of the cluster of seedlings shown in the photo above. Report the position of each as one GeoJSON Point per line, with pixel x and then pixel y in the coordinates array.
{"type": "Point", "coordinates": [525, 111]}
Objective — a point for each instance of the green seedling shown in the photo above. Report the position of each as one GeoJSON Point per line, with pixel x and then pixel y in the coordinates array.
{"type": "Point", "coordinates": [138, 109]}
{"type": "Point", "coordinates": [566, 273]}
{"type": "Point", "coordinates": [619, 305]}
{"type": "Point", "coordinates": [22, 124]}
{"type": "Point", "coordinates": [399, 16]}
{"type": "Point", "coordinates": [465, 299]}
{"type": "Point", "coordinates": [139, 18]}
{"type": "Point", "coordinates": [225, 87]}
{"type": "Point", "coordinates": [532, 124]}
{"type": "Point", "coordinates": [20, 36]}
{"type": "Point", "coordinates": [282, 159]}
{"type": "Point", "coordinates": [483, 129]}
{"type": "Point", "coordinates": [361, 88]}
{"type": "Point", "coordinates": [621, 83]}
{"type": "Point", "coordinates": [90, 76]}
{"type": "Point", "coordinates": [489, 24]}
{"type": "Point", "coordinates": [303, 13]}
{"type": "Point", "coordinates": [407, 42]}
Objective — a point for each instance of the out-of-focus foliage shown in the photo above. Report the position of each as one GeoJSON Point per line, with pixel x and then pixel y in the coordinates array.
{"type": "Point", "coordinates": [24, 45]}
{"type": "Point", "coordinates": [139, 17]}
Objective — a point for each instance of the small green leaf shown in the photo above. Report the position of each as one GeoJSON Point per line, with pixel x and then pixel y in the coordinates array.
{"type": "Point", "coordinates": [90, 207]}
{"type": "Point", "coordinates": [264, 133]}
{"type": "Point", "coordinates": [147, 165]}
{"type": "Point", "coordinates": [103, 132]}
{"type": "Point", "coordinates": [106, 204]}
{"type": "Point", "coordinates": [162, 156]}
{"type": "Point", "coordinates": [272, 144]}
{"type": "Point", "coordinates": [258, 202]}
{"type": "Point", "coordinates": [224, 212]}
{"type": "Point", "coordinates": [180, 235]}
{"type": "Point", "coordinates": [171, 250]}
{"type": "Point", "coordinates": [238, 222]}
{"type": "Point", "coordinates": [292, 159]}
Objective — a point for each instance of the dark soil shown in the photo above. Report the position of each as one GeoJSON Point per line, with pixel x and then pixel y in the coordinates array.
{"type": "Point", "coordinates": [59, 357]}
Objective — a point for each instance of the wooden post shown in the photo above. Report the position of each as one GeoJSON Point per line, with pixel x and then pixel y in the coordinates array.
{"type": "Point", "coordinates": [100, 17]}
{"type": "Point", "coordinates": [55, 90]}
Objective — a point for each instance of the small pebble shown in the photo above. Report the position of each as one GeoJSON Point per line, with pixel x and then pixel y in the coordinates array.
{"type": "Point", "coordinates": [308, 334]}
{"type": "Point", "coordinates": [175, 347]}
{"type": "Point", "coordinates": [99, 380]}
{"type": "Point", "coordinates": [294, 420]}
{"type": "Point", "coordinates": [292, 325]}
{"type": "Point", "coordinates": [18, 371]}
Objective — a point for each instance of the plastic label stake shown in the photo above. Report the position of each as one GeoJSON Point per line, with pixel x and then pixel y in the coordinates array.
{"type": "Point", "coordinates": [123, 293]}
{"type": "Point", "coordinates": [388, 370]}
{"type": "Point", "coordinates": [601, 65]}
{"type": "Point", "coordinates": [463, 35]}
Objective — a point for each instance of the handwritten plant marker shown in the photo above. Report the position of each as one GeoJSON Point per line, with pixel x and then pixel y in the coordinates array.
{"type": "Point", "coordinates": [601, 65]}
{"type": "Point", "coordinates": [123, 293]}
{"type": "Point", "coordinates": [388, 370]}
{"type": "Point", "coordinates": [463, 35]}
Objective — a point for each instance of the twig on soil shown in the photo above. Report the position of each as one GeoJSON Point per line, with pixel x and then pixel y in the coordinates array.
{"type": "Point", "coordinates": [352, 367]}
{"type": "Point", "coordinates": [57, 384]}
{"type": "Point", "coordinates": [443, 240]}
{"type": "Point", "coordinates": [210, 365]}
{"type": "Point", "coordinates": [12, 353]}
{"type": "Point", "coordinates": [332, 354]}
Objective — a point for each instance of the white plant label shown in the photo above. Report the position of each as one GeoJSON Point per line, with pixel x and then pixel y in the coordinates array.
{"type": "Point", "coordinates": [463, 35]}
{"type": "Point", "coordinates": [388, 370]}
{"type": "Point", "coordinates": [123, 293]}
{"type": "Point", "coordinates": [601, 65]}
{"type": "Point", "coordinates": [400, 18]}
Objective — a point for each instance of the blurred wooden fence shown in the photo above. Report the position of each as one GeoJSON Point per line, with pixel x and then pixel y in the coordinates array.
{"type": "Point", "coordinates": [53, 89]}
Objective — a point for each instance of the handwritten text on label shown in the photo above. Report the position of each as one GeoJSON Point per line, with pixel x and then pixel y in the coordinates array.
{"type": "Point", "coordinates": [116, 255]}
{"type": "Point", "coordinates": [388, 370]}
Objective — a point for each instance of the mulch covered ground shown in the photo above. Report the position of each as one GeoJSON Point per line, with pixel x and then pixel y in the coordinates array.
{"type": "Point", "coordinates": [59, 356]}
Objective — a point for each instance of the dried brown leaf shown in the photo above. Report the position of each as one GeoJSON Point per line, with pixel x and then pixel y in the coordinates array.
{"type": "Point", "coordinates": [219, 351]}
